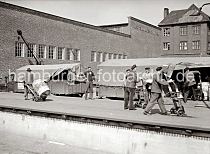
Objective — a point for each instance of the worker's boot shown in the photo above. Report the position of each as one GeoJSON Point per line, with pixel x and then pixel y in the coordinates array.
{"type": "Point", "coordinates": [90, 95]}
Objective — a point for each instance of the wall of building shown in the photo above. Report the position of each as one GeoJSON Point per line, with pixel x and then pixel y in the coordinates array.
{"type": "Point", "coordinates": [146, 38]}
{"type": "Point", "coordinates": [175, 39]}
{"type": "Point", "coordinates": [40, 28]}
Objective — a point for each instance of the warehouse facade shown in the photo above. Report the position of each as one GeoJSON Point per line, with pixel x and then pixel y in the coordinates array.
{"type": "Point", "coordinates": [57, 40]}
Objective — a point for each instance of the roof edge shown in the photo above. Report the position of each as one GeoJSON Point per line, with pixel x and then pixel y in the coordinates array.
{"type": "Point", "coordinates": [57, 18]}
{"type": "Point", "coordinates": [111, 25]}
{"type": "Point", "coordinates": [143, 22]}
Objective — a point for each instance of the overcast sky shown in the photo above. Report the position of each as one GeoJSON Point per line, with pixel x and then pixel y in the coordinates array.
{"type": "Point", "coordinates": [103, 12]}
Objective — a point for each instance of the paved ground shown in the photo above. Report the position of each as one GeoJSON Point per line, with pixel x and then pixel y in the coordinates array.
{"type": "Point", "coordinates": [16, 144]}
{"type": "Point", "coordinates": [197, 117]}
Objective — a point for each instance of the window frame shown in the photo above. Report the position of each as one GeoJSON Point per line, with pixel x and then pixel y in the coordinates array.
{"type": "Point", "coordinates": [166, 46]}
{"type": "Point", "coordinates": [60, 53]}
{"type": "Point", "coordinates": [196, 29]}
{"type": "Point", "coordinates": [51, 53]}
{"type": "Point", "coordinates": [19, 49]}
{"type": "Point", "coordinates": [183, 45]}
{"type": "Point", "coordinates": [183, 31]}
{"type": "Point", "coordinates": [196, 45]}
{"type": "Point", "coordinates": [32, 46]}
{"type": "Point", "coordinates": [42, 52]}
{"type": "Point", "coordinates": [93, 57]}
{"type": "Point", "coordinates": [166, 31]}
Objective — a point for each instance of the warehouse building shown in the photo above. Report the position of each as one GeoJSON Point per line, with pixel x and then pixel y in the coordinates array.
{"type": "Point", "coordinates": [57, 40]}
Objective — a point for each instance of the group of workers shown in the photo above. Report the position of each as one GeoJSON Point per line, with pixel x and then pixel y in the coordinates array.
{"type": "Point", "coordinates": [153, 88]}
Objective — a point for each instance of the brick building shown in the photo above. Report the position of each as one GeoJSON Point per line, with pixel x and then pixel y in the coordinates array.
{"type": "Point", "coordinates": [59, 40]}
{"type": "Point", "coordinates": [185, 33]}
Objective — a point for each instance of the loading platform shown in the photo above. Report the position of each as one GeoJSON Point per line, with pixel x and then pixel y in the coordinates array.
{"type": "Point", "coordinates": [111, 112]}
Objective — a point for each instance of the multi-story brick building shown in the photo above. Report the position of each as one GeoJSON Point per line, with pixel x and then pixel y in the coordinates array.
{"type": "Point", "coordinates": [185, 33]}
{"type": "Point", "coordinates": [59, 40]}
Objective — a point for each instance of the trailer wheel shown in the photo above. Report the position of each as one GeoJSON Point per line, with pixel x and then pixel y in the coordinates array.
{"type": "Point", "coordinates": [172, 110]}
{"type": "Point", "coordinates": [180, 112]}
{"type": "Point", "coordinates": [36, 99]}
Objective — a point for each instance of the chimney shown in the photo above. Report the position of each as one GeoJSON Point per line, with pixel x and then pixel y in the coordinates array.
{"type": "Point", "coordinates": [166, 12]}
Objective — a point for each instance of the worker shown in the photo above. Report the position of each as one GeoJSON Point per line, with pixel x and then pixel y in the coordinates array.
{"type": "Point", "coordinates": [156, 92]}
{"type": "Point", "coordinates": [29, 78]}
{"type": "Point", "coordinates": [129, 88]}
{"type": "Point", "coordinates": [90, 77]}
{"type": "Point", "coordinates": [147, 84]}
{"type": "Point", "coordinates": [189, 84]}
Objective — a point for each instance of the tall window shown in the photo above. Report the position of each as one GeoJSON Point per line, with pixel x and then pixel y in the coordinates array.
{"type": "Point", "coordinates": [100, 57]}
{"type": "Point", "coordinates": [120, 56]}
{"type": "Point", "coordinates": [76, 53]}
{"type": "Point", "coordinates": [115, 56]}
{"type": "Point", "coordinates": [41, 51]}
{"type": "Point", "coordinates": [31, 51]}
{"type": "Point", "coordinates": [125, 57]}
{"type": "Point", "coordinates": [196, 45]}
{"type": "Point", "coordinates": [69, 54]}
{"type": "Point", "coordinates": [19, 49]}
{"type": "Point", "coordinates": [166, 31]}
{"type": "Point", "coordinates": [183, 45]}
{"type": "Point", "coordinates": [60, 53]}
{"type": "Point", "coordinates": [105, 56]}
{"type": "Point", "coordinates": [183, 30]}
{"type": "Point", "coordinates": [51, 52]}
{"type": "Point", "coordinates": [166, 45]}
{"type": "Point", "coordinates": [93, 56]}
{"type": "Point", "coordinates": [196, 29]}
{"type": "Point", "coordinates": [110, 55]}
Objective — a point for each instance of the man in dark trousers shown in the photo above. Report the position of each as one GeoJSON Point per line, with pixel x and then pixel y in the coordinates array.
{"type": "Point", "coordinates": [147, 82]}
{"type": "Point", "coordinates": [90, 78]}
{"type": "Point", "coordinates": [189, 84]}
{"type": "Point", "coordinates": [129, 88]}
{"type": "Point", "coordinates": [29, 78]}
{"type": "Point", "coordinates": [156, 92]}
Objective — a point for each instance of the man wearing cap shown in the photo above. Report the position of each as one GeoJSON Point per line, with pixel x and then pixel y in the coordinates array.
{"type": "Point", "coordinates": [129, 88]}
{"type": "Point", "coordinates": [29, 78]}
{"type": "Point", "coordinates": [89, 83]}
{"type": "Point", "coordinates": [156, 92]}
{"type": "Point", "coordinates": [147, 83]}
{"type": "Point", "coordinates": [189, 84]}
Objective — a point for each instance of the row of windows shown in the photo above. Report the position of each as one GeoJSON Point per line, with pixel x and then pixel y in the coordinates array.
{"type": "Point", "coordinates": [183, 30]}
{"type": "Point", "coordinates": [183, 45]}
{"type": "Point", "coordinates": [41, 52]}
{"type": "Point", "coordinates": [103, 56]}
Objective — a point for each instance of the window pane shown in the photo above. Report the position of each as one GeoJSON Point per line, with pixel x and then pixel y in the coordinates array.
{"type": "Point", "coordinates": [196, 29]}
{"type": "Point", "coordinates": [110, 55]}
{"type": "Point", "coordinates": [166, 31]}
{"type": "Point", "coordinates": [41, 51]}
{"type": "Point", "coordinates": [18, 49]}
{"type": "Point", "coordinates": [93, 56]}
{"type": "Point", "coordinates": [183, 30]}
{"type": "Point", "coordinates": [31, 50]}
{"type": "Point", "coordinates": [166, 45]}
{"type": "Point", "coordinates": [60, 53]}
{"type": "Point", "coordinates": [51, 52]}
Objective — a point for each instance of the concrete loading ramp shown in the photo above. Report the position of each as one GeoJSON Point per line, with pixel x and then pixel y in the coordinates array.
{"type": "Point", "coordinates": [108, 139]}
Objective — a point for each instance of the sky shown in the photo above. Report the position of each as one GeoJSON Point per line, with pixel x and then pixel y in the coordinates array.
{"type": "Point", "coordinates": [105, 12]}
